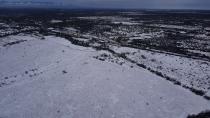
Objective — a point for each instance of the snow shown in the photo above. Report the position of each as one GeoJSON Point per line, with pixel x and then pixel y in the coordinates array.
{"type": "Point", "coordinates": [207, 28]}
{"type": "Point", "coordinates": [10, 30]}
{"type": "Point", "coordinates": [133, 13]}
{"type": "Point", "coordinates": [1, 24]}
{"type": "Point", "coordinates": [200, 52]}
{"type": "Point", "coordinates": [176, 27]}
{"type": "Point", "coordinates": [81, 39]}
{"type": "Point", "coordinates": [208, 94]}
{"type": "Point", "coordinates": [203, 36]}
{"type": "Point", "coordinates": [64, 80]}
{"type": "Point", "coordinates": [66, 30]}
{"type": "Point", "coordinates": [113, 19]}
{"type": "Point", "coordinates": [15, 38]}
{"type": "Point", "coordinates": [71, 29]}
{"type": "Point", "coordinates": [182, 32]}
{"type": "Point", "coordinates": [189, 72]}
{"type": "Point", "coordinates": [88, 36]}
{"type": "Point", "coordinates": [142, 36]}
{"type": "Point", "coordinates": [126, 23]}
{"type": "Point", "coordinates": [56, 21]}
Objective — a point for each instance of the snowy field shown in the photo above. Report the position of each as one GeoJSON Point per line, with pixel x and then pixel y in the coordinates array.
{"type": "Point", "coordinates": [114, 65]}
{"type": "Point", "coordinates": [53, 78]}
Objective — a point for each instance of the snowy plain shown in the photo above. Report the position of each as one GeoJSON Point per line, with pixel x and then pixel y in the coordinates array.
{"type": "Point", "coordinates": [52, 78]}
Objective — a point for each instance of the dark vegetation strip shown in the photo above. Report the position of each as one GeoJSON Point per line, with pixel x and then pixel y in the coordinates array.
{"type": "Point", "coordinates": [205, 114]}
{"type": "Point", "coordinates": [18, 32]}
{"type": "Point", "coordinates": [13, 43]}
{"type": "Point", "coordinates": [198, 57]}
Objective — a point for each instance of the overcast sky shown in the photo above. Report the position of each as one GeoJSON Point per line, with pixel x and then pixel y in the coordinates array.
{"type": "Point", "coordinates": [153, 4]}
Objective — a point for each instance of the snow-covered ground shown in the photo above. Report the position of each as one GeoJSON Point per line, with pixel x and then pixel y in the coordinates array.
{"type": "Point", "coordinates": [192, 73]}
{"type": "Point", "coordinates": [126, 23]}
{"type": "Point", "coordinates": [176, 27]}
{"type": "Point", "coordinates": [56, 21]}
{"type": "Point", "coordinates": [53, 78]}
{"type": "Point", "coordinates": [114, 20]}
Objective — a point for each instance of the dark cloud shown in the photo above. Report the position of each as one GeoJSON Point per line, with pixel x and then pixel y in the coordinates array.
{"type": "Point", "coordinates": [162, 4]}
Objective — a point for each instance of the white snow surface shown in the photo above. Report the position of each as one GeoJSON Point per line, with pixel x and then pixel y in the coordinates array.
{"type": "Point", "coordinates": [176, 27]}
{"type": "Point", "coordinates": [190, 72]}
{"type": "Point", "coordinates": [56, 21]}
{"type": "Point", "coordinates": [65, 81]}
{"type": "Point", "coordinates": [126, 23]}
{"type": "Point", "coordinates": [207, 28]}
